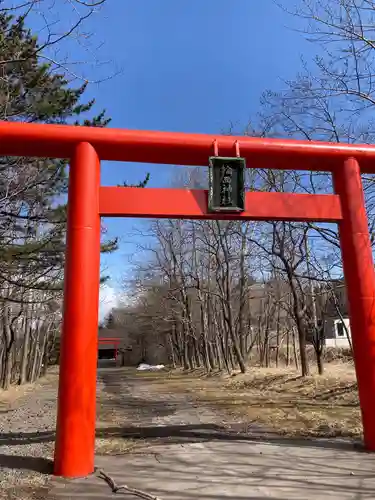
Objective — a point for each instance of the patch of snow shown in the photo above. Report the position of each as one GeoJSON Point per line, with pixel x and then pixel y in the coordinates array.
{"type": "Point", "coordinates": [145, 367]}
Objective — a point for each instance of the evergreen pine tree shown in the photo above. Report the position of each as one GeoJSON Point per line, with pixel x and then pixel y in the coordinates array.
{"type": "Point", "coordinates": [32, 206]}
{"type": "Point", "coordinates": [32, 213]}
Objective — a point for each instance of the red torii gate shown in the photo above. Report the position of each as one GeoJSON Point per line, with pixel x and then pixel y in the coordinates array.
{"type": "Point", "coordinates": [88, 201]}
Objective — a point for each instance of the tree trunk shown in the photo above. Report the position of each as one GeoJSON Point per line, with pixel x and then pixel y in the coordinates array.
{"type": "Point", "coordinates": [8, 335]}
{"type": "Point", "coordinates": [43, 353]}
{"type": "Point", "coordinates": [319, 362]}
{"type": "Point", "coordinates": [295, 349]}
{"type": "Point", "coordinates": [278, 341]}
{"type": "Point", "coordinates": [219, 357]}
{"type": "Point", "coordinates": [225, 353]}
{"type": "Point", "coordinates": [25, 349]}
{"type": "Point", "coordinates": [302, 349]}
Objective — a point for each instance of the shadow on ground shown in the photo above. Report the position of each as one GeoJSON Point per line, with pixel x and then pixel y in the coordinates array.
{"type": "Point", "coordinates": [242, 460]}
{"type": "Point", "coordinates": [37, 464]}
{"type": "Point", "coordinates": [131, 403]}
{"type": "Point", "coordinates": [240, 469]}
{"type": "Point", "coordinates": [167, 434]}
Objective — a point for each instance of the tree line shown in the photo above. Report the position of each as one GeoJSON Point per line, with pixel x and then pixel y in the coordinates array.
{"type": "Point", "coordinates": [224, 294]}
{"type": "Point", "coordinates": [36, 87]}
{"type": "Point", "coordinates": [201, 285]}
{"type": "Point", "coordinates": [215, 292]}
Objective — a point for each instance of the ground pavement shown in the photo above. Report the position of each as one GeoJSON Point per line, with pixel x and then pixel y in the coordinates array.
{"type": "Point", "coordinates": [186, 452]}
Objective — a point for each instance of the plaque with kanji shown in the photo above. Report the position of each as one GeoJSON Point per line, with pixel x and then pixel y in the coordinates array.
{"type": "Point", "coordinates": [226, 184]}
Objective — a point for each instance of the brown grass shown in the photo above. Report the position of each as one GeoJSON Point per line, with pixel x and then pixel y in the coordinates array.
{"type": "Point", "coordinates": [114, 446]}
{"type": "Point", "coordinates": [111, 415]}
{"type": "Point", "coordinates": [10, 397]}
{"type": "Point", "coordinates": [280, 399]}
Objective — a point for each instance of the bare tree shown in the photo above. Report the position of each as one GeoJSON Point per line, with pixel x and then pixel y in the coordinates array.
{"type": "Point", "coordinates": [60, 24]}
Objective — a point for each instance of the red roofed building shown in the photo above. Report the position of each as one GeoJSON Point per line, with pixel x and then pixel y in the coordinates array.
{"type": "Point", "coordinates": [109, 342]}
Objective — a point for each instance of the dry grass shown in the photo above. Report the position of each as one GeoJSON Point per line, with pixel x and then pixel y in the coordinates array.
{"type": "Point", "coordinates": [10, 397]}
{"type": "Point", "coordinates": [280, 399]}
{"type": "Point", "coordinates": [114, 446]}
{"type": "Point", "coordinates": [111, 416]}
{"type": "Point", "coordinates": [26, 465]}
{"type": "Point", "coordinates": [276, 399]}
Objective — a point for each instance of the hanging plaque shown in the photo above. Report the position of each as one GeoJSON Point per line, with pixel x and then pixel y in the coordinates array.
{"type": "Point", "coordinates": [226, 184]}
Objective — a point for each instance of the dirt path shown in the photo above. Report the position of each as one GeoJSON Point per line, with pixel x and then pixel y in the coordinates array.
{"type": "Point", "coordinates": [184, 450]}
{"type": "Point", "coordinates": [133, 398]}
{"type": "Point", "coordinates": [126, 408]}
{"type": "Point", "coordinates": [27, 432]}
{"type": "Point", "coordinates": [169, 445]}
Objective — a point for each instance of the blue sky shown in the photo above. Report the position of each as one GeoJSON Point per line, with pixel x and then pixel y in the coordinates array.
{"type": "Point", "coordinates": [189, 66]}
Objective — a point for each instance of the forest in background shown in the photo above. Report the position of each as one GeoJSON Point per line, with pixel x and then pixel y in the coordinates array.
{"type": "Point", "coordinates": [217, 294]}
{"type": "Point", "coordinates": [213, 291]}
{"type": "Point", "coordinates": [35, 88]}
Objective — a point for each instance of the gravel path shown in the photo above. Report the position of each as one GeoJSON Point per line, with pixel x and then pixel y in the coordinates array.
{"type": "Point", "coordinates": [131, 409]}
{"type": "Point", "coordinates": [195, 452]}
{"type": "Point", "coordinates": [125, 409]}
{"type": "Point", "coordinates": [134, 400]}
{"type": "Point", "coordinates": [27, 433]}
{"type": "Point", "coordinates": [27, 437]}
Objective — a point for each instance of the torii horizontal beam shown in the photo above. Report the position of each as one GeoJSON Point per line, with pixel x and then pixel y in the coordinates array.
{"type": "Point", "coordinates": [59, 141]}
{"type": "Point", "coordinates": [192, 204]}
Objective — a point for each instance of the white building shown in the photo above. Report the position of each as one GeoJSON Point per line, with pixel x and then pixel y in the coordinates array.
{"type": "Point", "coordinates": [336, 334]}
